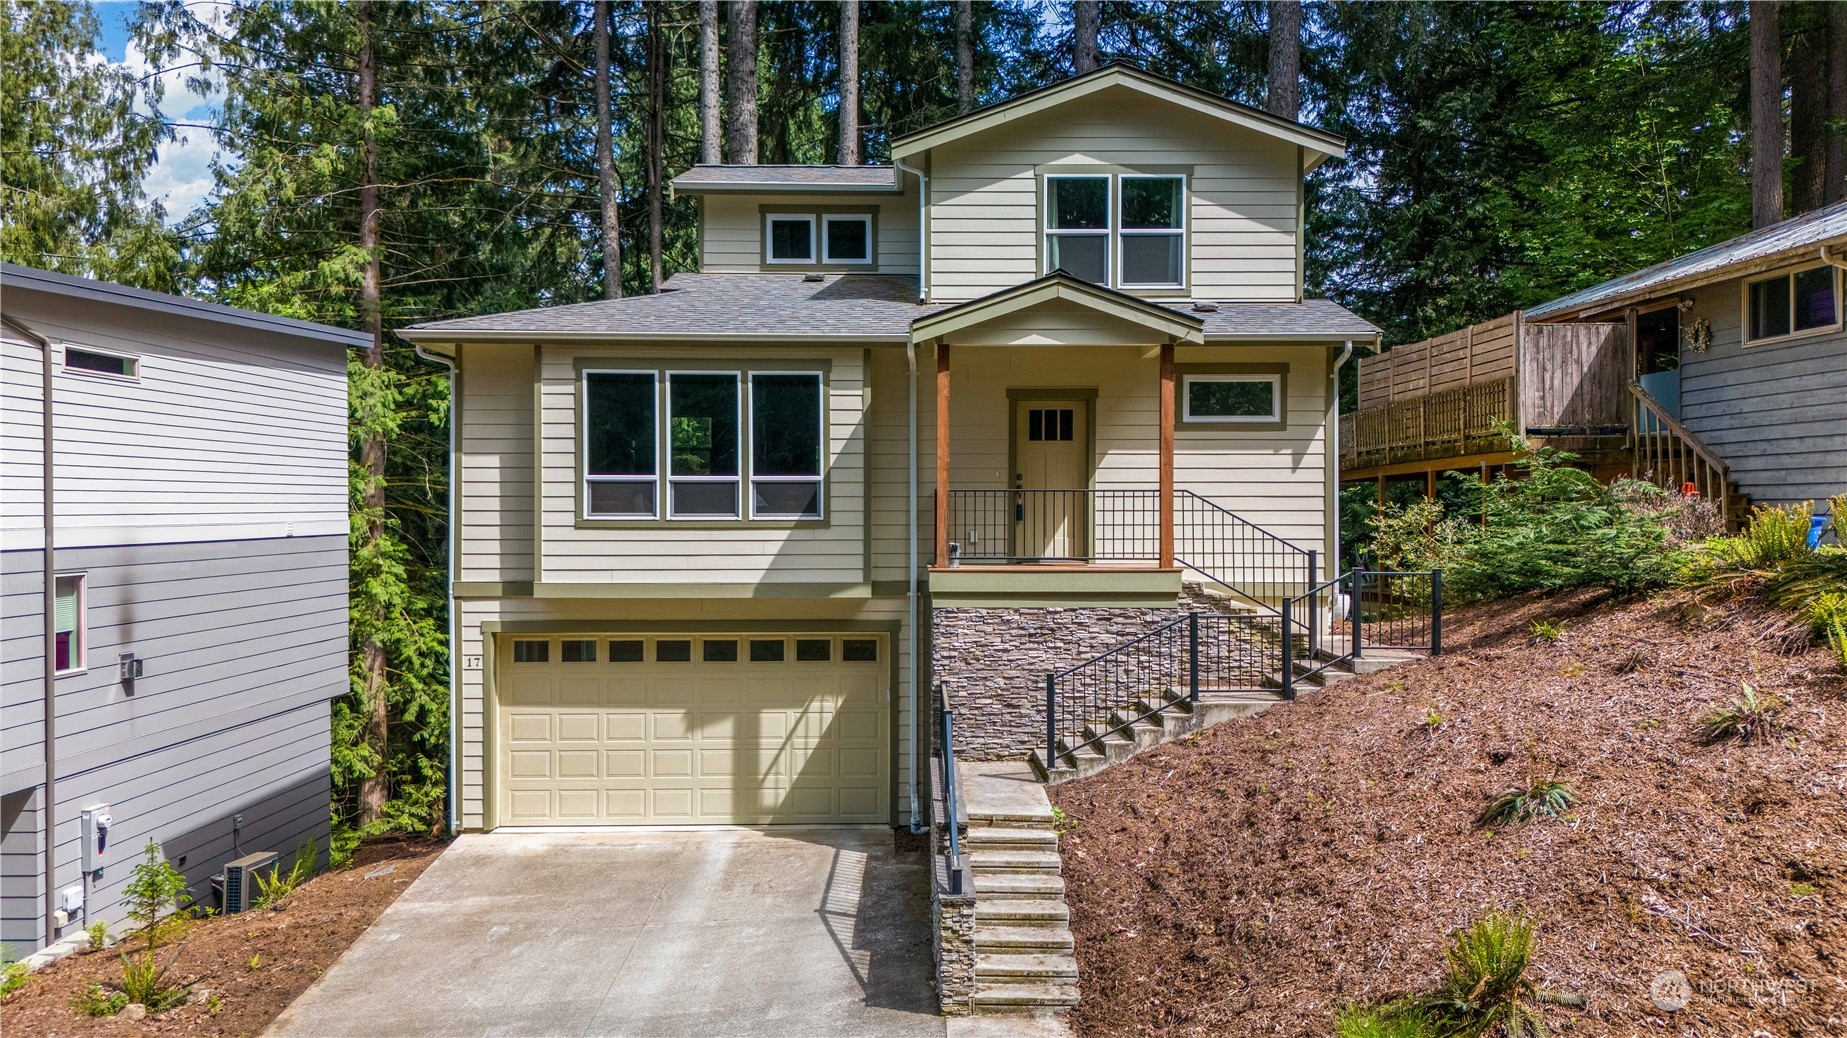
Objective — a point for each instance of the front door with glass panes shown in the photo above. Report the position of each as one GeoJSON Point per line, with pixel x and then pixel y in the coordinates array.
{"type": "Point", "coordinates": [1051, 514]}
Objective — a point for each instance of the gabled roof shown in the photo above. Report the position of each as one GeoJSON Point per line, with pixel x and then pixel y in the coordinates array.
{"type": "Point", "coordinates": [1319, 144]}
{"type": "Point", "coordinates": [1166, 323]}
{"type": "Point", "coordinates": [1772, 246]}
{"type": "Point", "coordinates": [824, 179]}
{"type": "Point", "coordinates": [81, 290]}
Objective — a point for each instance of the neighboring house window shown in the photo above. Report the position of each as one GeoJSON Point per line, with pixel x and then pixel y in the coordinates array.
{"type": "Point", "coordinates": [620, 473]}
{"type": "Point", "coordinates": [71, 623]}
{"type": "Point", "coordinates": [1232, 399]}
{"type": "Point", "coordinates": [790, 237]}
{"type": "Point", "coordinates": [1789, 304]}
{"type": "Point", "coordinates": [1077, 227]}
{"type": "Point", "coordinates": [1128, 231]}
{"type": "Point", "coordinates": [785, 445]}
{"type": "Point", "coordinates": [703, 445]}
{"type": "Point", "coordinates": [96, 362]}
{"type": "Point", "coordinates": [846, 238]}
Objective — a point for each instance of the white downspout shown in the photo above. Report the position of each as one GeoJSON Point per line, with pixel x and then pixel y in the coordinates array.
{"type": "Point", "coordinates": [923, 238]}
{"type": "Point", "coordinates": [910, 571]}
{"type": "Point", "coordinates": [455, 540]}
{"type": "Point", "coordinates": [1334, 561]}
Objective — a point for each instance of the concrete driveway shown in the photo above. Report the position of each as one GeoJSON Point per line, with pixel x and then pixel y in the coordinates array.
{"type": "Point", "coordinates": [710, 934]}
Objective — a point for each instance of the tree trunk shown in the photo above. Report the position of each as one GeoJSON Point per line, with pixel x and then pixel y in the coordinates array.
{"type": "Point", "coordinates": [849, 82]}
{"type": "Point", "coordinates": [1284, 96]}
{"type": "Point", "coordinates": [1808, 106]}
{"type": "Point", "coordinates": [374, 789]}
{"type": "Point", "coordinates": [709, 116]}
{"type": "Point", "coordinates": [601, 12]}
{"type": "Point", "coordinates": [657, 138]}
{"type": "Point", "coordinates": [965, 57]}
{"type": "Point", "coordinates": [741, 83]}
{"type": "Point", "coordinates": [1766, 115]}
{"type": "Point", "coordinates": [1834, 180]}
{"type": "Point", "coordinates": [1084, 36]}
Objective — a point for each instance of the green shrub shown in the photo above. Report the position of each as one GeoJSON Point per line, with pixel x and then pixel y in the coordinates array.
{"type": "Point", "coordinates": [97, 1000]}
{"type": "Point", "coordinates": [1397, 1020]}
{"type": "Point", "coordinates": [277, 884]}
{"type": "Point", "coordinates": [154, 891]}
{"type": "Point", "coordinates": [1548, 630]}
{"type": "Point", "coordinates": [13, 977]}
{"type": "Point", "coordinates": [144, 981]}
{"type": "Point", "coordinates": [1749, 718]}
{"type": "Point", "coordinates": [98, 932]}
{"type": "Point", "coordinates": [1485, 983]}
{"type": "Point", "coordinates": [1542, 799]}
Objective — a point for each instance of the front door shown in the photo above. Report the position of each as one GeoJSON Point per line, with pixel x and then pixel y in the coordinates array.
{"type": "Point", "coordinates": [1052, 474]}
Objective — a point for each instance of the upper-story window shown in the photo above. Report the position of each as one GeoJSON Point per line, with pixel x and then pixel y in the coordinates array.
{"type": "Point", "coordinates": [1790, 304]}
{"type": "Point", "coordinates": [71, 628]}
{"type": "Point", "coordinates": [1125, 230]}
{"type": "Point", "coordinates": [99, 362]}
{"type": "Point", "coordinates": [714, 445]}
{"type": "Point", "coordinates": [818, 239]}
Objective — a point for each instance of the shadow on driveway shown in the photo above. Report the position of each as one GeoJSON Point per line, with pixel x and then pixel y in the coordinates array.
{"type": "Point", "coordinates": [728, 933]}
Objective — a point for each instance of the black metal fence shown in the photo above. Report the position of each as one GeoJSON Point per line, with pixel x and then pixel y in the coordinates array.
{"type": "Point", "coordinates": [1233, 552]}
{"type": "Point", "coordinates": [999, 527]}
{"type": "Point", "coordinates": [1149, 667]}
{"type": "Point", "coordinates": [1398, 610]}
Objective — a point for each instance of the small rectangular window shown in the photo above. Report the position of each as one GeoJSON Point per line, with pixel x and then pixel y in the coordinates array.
{"type": "Point", "coordinates": [846, 239]}
{"type": "Point", "coordinates": [1232, 398]}
{"type": "Point", "coordinates": [673, 650]}
{"type": "Point", "coordinates": [525, 651]}
{"type": "Point", "coordinates": [627, 650]}
{"type": "Point", "coordinates": [790, 238]}
{"type": "Point", "coordinates": [96, 362]}
{"type": "Point", "coordinates": [786, 445]}
{"type": "Point", "coordinates": [717, 650]}
{"type": "Point", "coordinates": [72, 623]}
{"type": "Point", "coordinates": [859, 650]}
{"type": "Point", "coordinates": [814, 650]}
{"type": "Point", "coordinates": [1077, 227]}
{"type": "Point", "coordinates": [1050, 424]}
{"type": "Point", "coordinates": [619, 444]}
{"type": "Point", "coordinates": [577, 650]}
{"type": "Point", "coordinates": [767, 650]}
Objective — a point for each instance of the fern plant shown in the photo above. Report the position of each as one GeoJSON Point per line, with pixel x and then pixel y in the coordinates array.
{"type": "Point", "coordinates": [1485, 984]}
{"type": "Point", "coordinates": [1544, 798]}
{"type": "Point", "coordinates": [276, 885]}
{"type": "Point", "coordinates": [1750, 718]}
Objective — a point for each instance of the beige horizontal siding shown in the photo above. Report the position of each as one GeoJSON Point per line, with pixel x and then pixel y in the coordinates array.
{"type": "Point", "coordinates": [1243, 218]}
{"type": "Point", "coordinates": [496, 447]}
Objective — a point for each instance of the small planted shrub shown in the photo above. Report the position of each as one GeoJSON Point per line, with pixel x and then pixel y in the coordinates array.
{"type": "Point", "coordinates": [144, 981]}
{"type": "Point", "coordinates": [98, 932]}
{"type": "Point", "coordinates": [1545, 798]}
{"type": "Point", "coordinates": [278, 885]}
{"type": "Point", "coordinates": [1548, 631]}
{"type": "Point", "coordinates": [1485, 984]}
{"type": "Point", "coordinates": [97, 1000]}
{"type": "Point", "coordinates": [1826, 614]}
{"type": "Point", "coordinates": [1398, 1020]}
{"type": "Point", "coordinates": [154, 891]}
{"type": "Point", "coordinates": [13, 977]}
{"type": "Point", "coordinates": [1751, 718]}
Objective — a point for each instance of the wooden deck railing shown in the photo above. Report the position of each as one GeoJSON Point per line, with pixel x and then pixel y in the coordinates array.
{"type": "Point", "coordinates": [1447, 423]}
{"type": "Point", "coordinates": [1671, 457]}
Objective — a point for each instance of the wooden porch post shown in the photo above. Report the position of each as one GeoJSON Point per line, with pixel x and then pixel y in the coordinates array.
{"type": "Point", "coordinates": [942, 454]}
{"type": "Point", "coordinates": [1167, 455]}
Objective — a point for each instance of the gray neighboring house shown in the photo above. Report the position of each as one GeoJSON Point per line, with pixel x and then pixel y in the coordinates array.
{"type": "Point", "coordinates": [197, 553]}
{"type": "Point", "coordinates": [1742, 344]}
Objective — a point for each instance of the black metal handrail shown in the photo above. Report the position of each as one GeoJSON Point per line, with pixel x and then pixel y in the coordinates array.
{"type": "Point", "coordinates": [1234, 552]}
{"type": "Point", "coordinates": [1397, 609]}
{"type": "Point", "coordinates": [1306, 652]}
{"type": "Point", "coordinates": [1002, 526]}
{"type": "Point", "coordinates": [952, 793]}
{"type": "Point", "coordinates": [1149, 666]}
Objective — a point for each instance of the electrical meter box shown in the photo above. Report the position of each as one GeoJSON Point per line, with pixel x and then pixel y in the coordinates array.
{"type": "Point", "coordinates": [95, 822]}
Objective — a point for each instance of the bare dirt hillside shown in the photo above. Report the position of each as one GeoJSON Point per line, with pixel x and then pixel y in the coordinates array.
{"type": "Point", "coordinates": [1271, 870]}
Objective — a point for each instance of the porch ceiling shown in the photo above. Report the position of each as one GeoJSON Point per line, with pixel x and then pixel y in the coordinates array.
{"type": "Point", "coordinates": [1157, 324]}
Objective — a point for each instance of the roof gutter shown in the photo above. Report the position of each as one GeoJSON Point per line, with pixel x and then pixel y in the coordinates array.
{"type": "Point", "coordinates": [696, 188]}
{"type": "Point", "coordinates": [1616, 303]}
{"type": "Point", "coordinates": [923, 229]}
{"type": "Point", "coordinates": [50, 622]}
{"type": "Point", "coordinates": [452, 534]}
{"type": "Point", "coordinates": [527, 337]}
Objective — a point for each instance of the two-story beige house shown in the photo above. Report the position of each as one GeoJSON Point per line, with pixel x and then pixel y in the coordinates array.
{"type": "Point", "coordinates": [964, 419]}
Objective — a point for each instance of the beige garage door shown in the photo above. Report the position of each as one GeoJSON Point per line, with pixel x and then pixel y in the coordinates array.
{"type": "Point", "coordinates": [691, 729]}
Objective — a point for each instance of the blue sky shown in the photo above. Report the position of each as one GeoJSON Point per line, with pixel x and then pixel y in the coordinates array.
{"type": "Point", "coordinates": [115, 16]}
{"type": "Point", "coordinates": [181, 176]}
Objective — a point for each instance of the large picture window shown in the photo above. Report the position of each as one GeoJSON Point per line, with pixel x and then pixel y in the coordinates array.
{"type": "Point", "coordinates": [689, 445]}
{"type": "Point", "coordinates": [1126, 230]}
{"type": "Point", "coordinates": [620, 474]}
{"type": "Point", "coordinates": [1231, 399]}
{"type": "Point", "coordinates": [785, 445]}
{"type": "Point", "coordinates": [1790, 304]}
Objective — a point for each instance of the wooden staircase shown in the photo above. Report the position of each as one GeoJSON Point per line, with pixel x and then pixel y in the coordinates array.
{"type": "Point", "coordinates": [1668, 454]}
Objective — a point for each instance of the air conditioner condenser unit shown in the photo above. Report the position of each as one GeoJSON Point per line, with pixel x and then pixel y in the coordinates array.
{"type": "Point", "coordinates": [240, 880]}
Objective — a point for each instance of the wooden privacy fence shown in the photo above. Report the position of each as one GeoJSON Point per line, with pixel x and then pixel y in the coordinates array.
{"type": "Point", "coordinates": [1443, 397]}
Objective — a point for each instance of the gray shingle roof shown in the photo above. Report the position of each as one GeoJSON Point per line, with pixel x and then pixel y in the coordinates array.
{"type": "Point", "coordinates": [866, 307]}
{"type": "Point", "coordinates": [802, 178]}
{"type": "Point", "coordinates": [1808, 231]}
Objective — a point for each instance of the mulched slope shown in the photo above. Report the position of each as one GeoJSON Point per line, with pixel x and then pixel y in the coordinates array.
{"type": "Point", "coordinates": [256, 963]}
{"type": "Point", "coordinates": [1253, 880]}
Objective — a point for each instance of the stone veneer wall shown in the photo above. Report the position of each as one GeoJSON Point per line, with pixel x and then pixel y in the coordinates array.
{"type": "Point", "coordinates": [954, 918]}
{"type": "Point", "coordinates": [993, 663]}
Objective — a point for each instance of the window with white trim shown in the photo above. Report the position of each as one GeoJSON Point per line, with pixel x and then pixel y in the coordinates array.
{"type": "Point", "coordinates": [1123, 230]}
{"type": "Point", "coordinates": [83, 360]}
{"type": "Point", "coordinates": [1231, 399]}
{"type": "Point", "coordinates": [1791, 304]}
{"type": "Point", "coordinates": [846, 238]}
{"type": "Point", "coordinates": [789, 238]}
{"type": "Point", "coordinates": [71, 624]}
{"type": "Point", "coordinates": [691, 444]}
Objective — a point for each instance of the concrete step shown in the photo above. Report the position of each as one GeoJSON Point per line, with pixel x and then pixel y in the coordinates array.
{"type": "Point", "coordinates": [1020, 886]}
{"type": "Point", "coordinates": [996, 838]}
{"type": "Point", "coordinates": [996, 967]}
{"type": "Point", "coordinates": [1025, 912]}
{"type": "Point", "coordinates": [1022, 997]}
{"type": "Point", "coordinates": [1013, 861]}
{"type": "Point", "coordinates": [1022, 940]}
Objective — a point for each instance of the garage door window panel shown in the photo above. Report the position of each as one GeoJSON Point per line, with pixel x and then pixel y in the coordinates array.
{"type": "Point", "coordinates": [673, 650]}
{"type": "Point", "coordinates": [627, 651]}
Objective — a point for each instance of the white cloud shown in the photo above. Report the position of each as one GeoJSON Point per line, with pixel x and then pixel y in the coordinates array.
{"type": "Point", "coordinates": [181, 176]}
